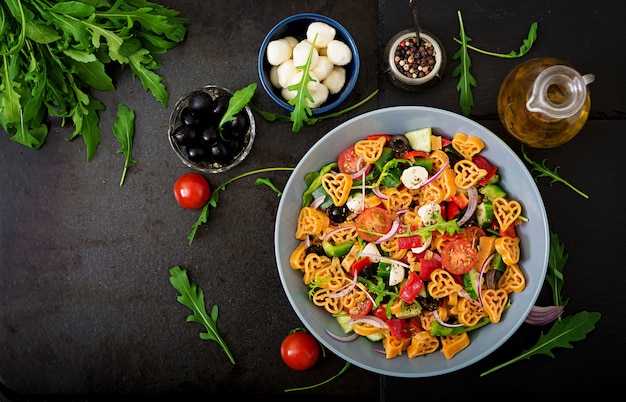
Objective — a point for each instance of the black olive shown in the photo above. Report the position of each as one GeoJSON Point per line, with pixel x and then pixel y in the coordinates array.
{"type": "Point", "coordinates": [428, 303]}
{"type": "Point", "coordinates": [400, 144]}
{"type": "Point", "coordinates": [196, 153]}
{"type": "Point", "coordinates": [369, 271]}
{"type": "Point", "coordinates": [188, 118]}
{"type": "Point", "coordinates": [220, 153]}
{"type": "Point", "coordinates": [338, 214]}
{"type": "Point", "coordinates": [200, 102]}
{"type": "Point", "coordinates": [185, 135]}
{"type": "Point", "coordinates": [239, 126]}
{"type": "Point", "coordinates": [315, 249]}
{"type": "Point", "coordinates": [209, 136]}
{"type": "Point", "coordinates": [220, 106]}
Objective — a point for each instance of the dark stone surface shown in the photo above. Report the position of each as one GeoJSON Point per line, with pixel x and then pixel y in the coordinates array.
{"type": "Point", "coordinates": [86, 308]}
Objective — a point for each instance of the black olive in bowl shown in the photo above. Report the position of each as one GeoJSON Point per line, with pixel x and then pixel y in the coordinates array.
{"type": "Point", "coordinates": [198, 140]}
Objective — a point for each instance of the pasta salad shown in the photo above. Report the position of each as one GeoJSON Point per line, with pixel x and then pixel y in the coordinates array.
{"type": "Point", "coordinates": [410, 240]}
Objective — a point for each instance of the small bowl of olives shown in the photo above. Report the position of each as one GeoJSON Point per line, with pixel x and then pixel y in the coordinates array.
{"type": "Point", "coordinates": [197, 138]}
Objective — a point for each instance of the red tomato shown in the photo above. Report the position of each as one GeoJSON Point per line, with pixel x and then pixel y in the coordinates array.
{"type": "Point", "coordinates": [362, 308]}
{"type": "Point", "coordinates": [347, 160]}
{"type": "Point", "coordinates": [459, 256]}
{"type": "Point", "coordinates": [474, 233]}
{"type": "Point", "coordinates": [299, 350]}
{"type": "Point", "coordinates": [371, 221]}
{"type": "Point", "coordinates": [192, 191]}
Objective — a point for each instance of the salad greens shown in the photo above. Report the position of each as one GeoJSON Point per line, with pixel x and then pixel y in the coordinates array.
{"type": "Point", "coordinates": [52, 53]}
{"type": "Point", "coordinates": [564, 330]}
{"type": "Point", "coordinates": [466, 79]}
{"type": "Point", "coordinates": [192, 296]}
{"type": "Point", "coordinates": [301, 110]}
{"type": "Point", "coordinates": [124, 130]}
{"type": "Point", "coordinates": [238, 101]}
{"type": "Point", "coordinates": [544, 171]}
{"type": "Point", "coordinates": [343, 370]}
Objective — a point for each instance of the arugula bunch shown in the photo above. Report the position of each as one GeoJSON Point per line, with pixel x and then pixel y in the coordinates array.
{"type": "Point", "coordinates": [53, 52]}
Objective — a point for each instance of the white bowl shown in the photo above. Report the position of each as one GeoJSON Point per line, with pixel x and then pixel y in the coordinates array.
{"type": "Point", "coordinates": [516, 179]}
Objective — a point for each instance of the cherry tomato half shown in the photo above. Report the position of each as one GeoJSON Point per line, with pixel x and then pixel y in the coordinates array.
{"type": "Point", "coordinates": [192, 191]}
{"type": "Point", "coordinates": [299, 350]}
{"type": "Point", "coordinates": [373, 220]}
{"type": "Point", "coordinates": [459, 256]}
{"type": "Point", "coordinates": [347, 160]}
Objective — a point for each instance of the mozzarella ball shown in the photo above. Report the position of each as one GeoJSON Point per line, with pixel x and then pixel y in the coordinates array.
{"type": "Point", "coordinates": [291, 40]}
{"type": "Point", "coordinates": [339, 53]}
{"type": "Point", "coordinates": [274, 77]}
{"type": "Point", "coordinates": [336, 79]}
{"type": "Point", "coordinates": [301, 54]}
{"type": "Point", "coordinates": [323, 67]}
{"type": "Point", "coordinates": [287, 94]}
{"type": "Point", "coordinates": [285, 72]}
{"type": "Point", "coordinates": [325, 33]}
{"type": "Point", "coordinates": [319, 96]}
{"type": "Point", "coordinates": [278, 51]}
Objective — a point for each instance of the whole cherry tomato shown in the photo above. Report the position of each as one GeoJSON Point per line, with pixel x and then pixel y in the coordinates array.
{"type": "Point", "coordinates": [299, 350]}
{"type": "Point", "coordinates": [192, 191]}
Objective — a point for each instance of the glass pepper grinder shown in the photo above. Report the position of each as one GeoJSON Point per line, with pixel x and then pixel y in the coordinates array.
{"type": "Point", "coordinates": [544, 102]}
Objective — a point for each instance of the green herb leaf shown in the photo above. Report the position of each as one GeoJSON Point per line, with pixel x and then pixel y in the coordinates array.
{"type": "Point", "coordinates": [237, 102]}
{"type": "Point", "coordinates": [124, 130]}
{"type": "Point", "coordinates": [301, 110]}
{"type": "Point", "coordinates": [215, 196]}
{"type": "Point", "coordinates": [268, 183]}
{"type": "Point", "coordinates": [556, 263]}
{"type": "Point", "coordinates": [192, 296]}
{"type": "Point", "coordinates": [561, 334]}
{"type": "Point", "coordinates": [466, 79]}
{"type": "Point", "coordinates": [544, 171]}
{"type": "Point", "coordinates": [343, 370]}
{"type": "Point", "coordinates": [524, 48]}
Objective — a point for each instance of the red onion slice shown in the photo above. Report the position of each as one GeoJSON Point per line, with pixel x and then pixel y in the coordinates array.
{"type": "Point", "coordinates": [317, 201]}
{"type": "Point", "coordinates": [472, 195]}
{"type": "Point", "coordinates": [348, 338]}
{"type": "Point", "coordinates": [338, 229]}
{"type": "Point", "coordinates": [346, 289]}
{"type": "Point", "coordinates": [369, 319]}
{"type": "Point", "coordinates": [541, 315]}
{"type": "Point", "coordinates": [360, 170]}
{"type": "Point", "coordinates": [483, 268]}
{"type": "Point", "coordinates": [436, 175]}
{"type": "Point", "coordinates": [379, 194]}
{"type": "Point", "coordinates": [442, 322]}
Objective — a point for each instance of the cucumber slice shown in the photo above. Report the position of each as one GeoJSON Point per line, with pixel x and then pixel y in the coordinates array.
{"type": "Point", "coordinates": [484, 214]}
{"type": "Point", "coordinates": [376, 337]}
{"type": "Point", "coordinates": [420, 139]}
{"type": "Point", "coordinates": [342, 319]}
{"type": "Point", "coordinates": [470, 282]}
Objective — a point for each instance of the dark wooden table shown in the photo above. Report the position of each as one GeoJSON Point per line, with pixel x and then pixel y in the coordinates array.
{"type": "Point", "coordinates": [86, 308]}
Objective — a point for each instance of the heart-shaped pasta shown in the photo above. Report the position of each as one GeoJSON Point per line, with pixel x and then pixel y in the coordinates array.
{"type": "Point", "coordinates": [338, 186]}
{"type": "Point", "coordinates": [506, 212]}
{"type": "Point", "coordinates": [370, 150]}
{"type": "Point", "coordinates": [467, 145]}
{"type": "Point", "coordinates": [494, 302]}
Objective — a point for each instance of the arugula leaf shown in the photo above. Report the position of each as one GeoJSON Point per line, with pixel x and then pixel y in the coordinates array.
{"type": "Point", "coordinates": [215, 196]}
{"type": "Point", "coordinates": [301, 110]}
{"type": "Point", "coordinates": [192, 296]}
{"type": "Point", "coordinates": [544, 171]}
{"type": "Point", "coordinates": [343, 370]}
{"type": "Point", "coordinates": [237, 102]}
{"type": "Point", "coordinates": [569, 329]}
{"type": "Point", "coordinates": [124, 130]}
{"type": "Point", "coordinates": [524, 48]}
{"type": "Point", "coordinates": [268, 183]}
{"type": "Point", "coordinates": [556, 262]}
{"type": "Point", "coordinates": [466, 79]}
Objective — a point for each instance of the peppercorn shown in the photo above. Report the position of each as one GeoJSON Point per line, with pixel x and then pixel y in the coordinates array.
{"type": "Point", "coordinates": [413, 60]}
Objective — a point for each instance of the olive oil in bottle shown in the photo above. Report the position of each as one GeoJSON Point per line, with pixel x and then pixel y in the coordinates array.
{"type": "Point", "coordinates": [544, 102]}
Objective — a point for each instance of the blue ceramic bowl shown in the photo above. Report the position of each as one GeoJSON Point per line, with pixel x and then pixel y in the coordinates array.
{"type": "Point", "coordinates": [516, 179]}
{"type": "Point", "coordinates": [296, 26]}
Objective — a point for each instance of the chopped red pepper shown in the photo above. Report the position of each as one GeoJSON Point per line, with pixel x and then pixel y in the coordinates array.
{"type": "Point", "coordinates": [411, 288]}
{"type": "Point", "coordinates": [377, 136]}
{"type": "Point", "coordinates": [399, 328]}
{"type": "Point", "coordinates": [381, 312]}
{"type": "Point", "coordinates": [483, 163]}
{"type": "Point", "coordinates": [359, 265]}
{"type": "Point", "coordinates": [452, 210]}
{"type": "Point", "coordinates": [412, 155]}
{"type": "Point", "coordinates": [406, 242]}
{"type": "Point", "coordinates": [445, 142]}
{"type": "Point", "coordinates": [427, 267]}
